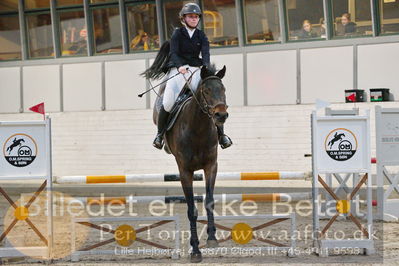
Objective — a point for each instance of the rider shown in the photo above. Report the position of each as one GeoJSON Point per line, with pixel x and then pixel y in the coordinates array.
{"type": "Point", "coordinates": [185, 46]}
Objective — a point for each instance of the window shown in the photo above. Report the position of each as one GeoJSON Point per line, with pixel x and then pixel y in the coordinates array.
{"type": "Point", "coordinates": [142, 27]}
{"type": "Point", "coordinates": [261, 21]}
{"type": "Point", "coordinates": [305, 19]}
{"type": "Point", "coordinates": [220, 22]}
{"type": "Point", "coordinates": [101, 1]}
{"type": "Point", "coordinates": [351, 18]}
{"type": "Point", "coordinates": [10, 40]}
{"type": "Point", "coordinates": [73, 33]}
{"type": "Point", "coordinates": [8, 5]}
{"type": "Point", "coordinates": [218, 18]}
{"type": "Point", "coordinates": [107, 30]}
{"type": "Point", "coordinates": [39, 30]}
{"type": "Point", "coordinates": [69, 2]}
{"type": "Point", "coordinates": [171, 14]}
{"type": "Point", "coordinates": [389, 16]}
{"type": "Point", "coordinates": [39, 35]}
{"type": "Point", "coordinates": [33, 4]}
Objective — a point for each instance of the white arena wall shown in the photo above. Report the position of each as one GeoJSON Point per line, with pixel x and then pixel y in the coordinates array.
{"type": "Point", "coordinates": [100, 126]}
{"type": "Point", "coordinates": [266, 138]}
{"type": "Point", "coordinates": [255, 76]}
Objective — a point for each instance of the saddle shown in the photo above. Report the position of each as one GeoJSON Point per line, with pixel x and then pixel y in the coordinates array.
{"type": "Point", "coordinates": [183, 98]}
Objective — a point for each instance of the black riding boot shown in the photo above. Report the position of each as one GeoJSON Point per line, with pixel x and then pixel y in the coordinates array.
{"type": "Point", "coordinates": [162, 123]}
{"type": "Point", "coordinates": [224, 140]}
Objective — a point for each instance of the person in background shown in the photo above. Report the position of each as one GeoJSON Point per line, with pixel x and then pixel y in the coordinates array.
{"type": "Point", "coordinates": [80, 46]}
{"type": "Point", "coordinates": [307, 31]}
{"type": "Point", "coordinates": [155, 40]}
{"type": "Point", "coordinates": [349, 27]}
{"type": "Point", "coordinates": [322, 27]}
{"type": "Point", "coordinates": [141, 41]}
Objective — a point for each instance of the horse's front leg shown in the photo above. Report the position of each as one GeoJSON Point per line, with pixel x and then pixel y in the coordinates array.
{"type": "Point", "coordinates": [186, 179]}
{"type": "Point", "coordinates": [210, 178]}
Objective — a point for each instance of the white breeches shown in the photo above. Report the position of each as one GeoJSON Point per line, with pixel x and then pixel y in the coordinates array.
{"type": "Point", "coordinates": [176, 84]}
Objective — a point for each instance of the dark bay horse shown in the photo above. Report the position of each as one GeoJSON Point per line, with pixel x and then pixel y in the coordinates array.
{"type": "Point", "coordinates": [193, 141]}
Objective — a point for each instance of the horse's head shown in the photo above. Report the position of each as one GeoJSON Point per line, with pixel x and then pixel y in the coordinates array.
{"type": "Point", "coordinates": [213, 94]}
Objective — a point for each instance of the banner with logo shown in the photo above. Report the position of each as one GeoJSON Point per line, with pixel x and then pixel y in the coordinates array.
{"type": "Point", "coordinates": [341, 144]}
{"type": "Point", "coordinates": [24, 148]}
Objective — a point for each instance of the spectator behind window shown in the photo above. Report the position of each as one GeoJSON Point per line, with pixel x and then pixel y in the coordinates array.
{"type": "Point", "coordinates": [155, 40]}
{"type": "Point", "coordinates": [322, 27]}
{"type": "Point", "coordinates": [80, 46]}
{"type": "Point", "coordinates": [141, 41]}
{"type": "Point", "coordinates": [307, 31]}
{"type": "Point", "coordinates": [349, 27]}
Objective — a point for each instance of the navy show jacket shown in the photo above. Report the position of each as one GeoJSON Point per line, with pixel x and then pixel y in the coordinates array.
{"type": "Point", "coordinates": [185, 50]}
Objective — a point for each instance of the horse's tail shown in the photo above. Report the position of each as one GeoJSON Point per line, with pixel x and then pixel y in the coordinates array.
{"type": "Point", "coordinates": [159, 68]}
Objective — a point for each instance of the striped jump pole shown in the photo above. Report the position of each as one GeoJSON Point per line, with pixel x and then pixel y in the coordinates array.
{"type": "Point", "coordinates": [131, 178]}
{"type": "Point", "coordinates": [267, 197]}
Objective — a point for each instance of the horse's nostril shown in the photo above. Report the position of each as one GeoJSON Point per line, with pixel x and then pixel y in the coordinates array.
{"type": "Point", "coordinates": [221, 115]}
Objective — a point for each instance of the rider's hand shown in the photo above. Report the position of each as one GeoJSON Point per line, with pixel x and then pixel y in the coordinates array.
{"type": "Point", "coordinates": [183, 69]}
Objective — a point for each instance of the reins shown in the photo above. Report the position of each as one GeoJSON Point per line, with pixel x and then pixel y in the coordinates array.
{"type": "Point", "coordinates": [205, 109]}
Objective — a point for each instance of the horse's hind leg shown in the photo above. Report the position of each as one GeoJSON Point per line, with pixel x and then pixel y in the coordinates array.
{"type": "Point", "coordinates": [210, 178]}
{"type": "Point", "coordinates": [186, 179]}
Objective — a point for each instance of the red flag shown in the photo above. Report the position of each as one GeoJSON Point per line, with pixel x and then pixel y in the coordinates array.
{"type": "Point", "coordinates": [39, 108]}
{"type": "Point", "coordinates": [352, 97]}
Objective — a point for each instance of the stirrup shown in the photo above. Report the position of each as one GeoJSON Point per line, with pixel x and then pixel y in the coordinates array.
{"type": "Point", "coordinates": [225, 141]}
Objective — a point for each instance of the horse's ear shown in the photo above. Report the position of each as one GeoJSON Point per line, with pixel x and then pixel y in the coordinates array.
{"type": "Point", "coordinates": [205, 72]}
{"type": "Point", "coordinates": [221, 72]}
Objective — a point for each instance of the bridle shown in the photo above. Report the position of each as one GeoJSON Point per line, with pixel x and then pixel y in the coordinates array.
{"type": "Point", "coordinates": [206, 108]}
{"type": "Point", "coordinates": [209, 109]}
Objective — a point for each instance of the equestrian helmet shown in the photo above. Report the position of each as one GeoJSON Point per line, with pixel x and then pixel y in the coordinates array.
{"type": "Point", "coordinates": [190, 8]}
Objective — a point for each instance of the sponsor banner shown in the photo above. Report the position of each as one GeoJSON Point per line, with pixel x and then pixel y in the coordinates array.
{"type": "Point", "coordinates": [23, 149]}
{"type": "Point", "coordinates": [342, 144]}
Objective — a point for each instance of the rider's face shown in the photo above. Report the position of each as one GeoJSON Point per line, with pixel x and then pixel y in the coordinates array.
{"type": "Point", "coordinates": [191, 20]}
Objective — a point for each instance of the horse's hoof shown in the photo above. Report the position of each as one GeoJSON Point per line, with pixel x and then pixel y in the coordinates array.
{"type": "Point", "coordinates": [196, 257]}
{"type": "Point", "coordinates": [212, 243]}
{"type": "Point", "coordinates": [225, 142]}
{"type": "Point", "coordinates": [157, 145]}
{"type": "Point", "coordinates": [158, 142]}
